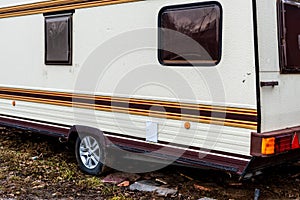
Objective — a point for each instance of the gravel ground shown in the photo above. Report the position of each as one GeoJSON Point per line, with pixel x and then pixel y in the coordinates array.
{"type": "Point", "coordinates": [33, 166]}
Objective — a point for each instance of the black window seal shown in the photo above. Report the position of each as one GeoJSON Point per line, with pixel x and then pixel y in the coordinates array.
{"type": "Point", "coordinates": [284, 69]}
{"type": "Point", "coordinates": [70, 38]}
{"type": "Point", "coordinates": [184, 6]}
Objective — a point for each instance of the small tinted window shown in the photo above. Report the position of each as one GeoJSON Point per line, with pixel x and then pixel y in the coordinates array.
{"type": "Point", "coordinates": [58, 39]}
{"type": "Point", "coordinates": [190, 34]}
{"type": "Point", "coordinates": [290, 36]}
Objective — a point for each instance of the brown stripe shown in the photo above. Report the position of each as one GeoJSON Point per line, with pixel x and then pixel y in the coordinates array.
{"type": "Point", "coordinates": [109, 134]}
{"type": "Point", "coordinates": [35, 120]}
{"type": "Point", "coordinates": [170, 110]}
{"type": "Point", "coordinates": [137, 101]}
{"type": "Point", "coordinates": [41, 128]}
{"type": "Point", "coordinates": [185, 157]}
{"type": "Point", "coordinates": [55, 6]}
{"type": "Point", "coordinates": [208, 120]}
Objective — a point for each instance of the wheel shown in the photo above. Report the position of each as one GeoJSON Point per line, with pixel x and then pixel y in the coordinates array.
{"type": "Point", "coordinates": [89, 151]}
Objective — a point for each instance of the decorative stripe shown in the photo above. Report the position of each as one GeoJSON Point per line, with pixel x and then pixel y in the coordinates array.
{"type": "Point", "coordinates": [43, 128]}
{"type": "Point", "coordinates": [228, 116]}
{"type": "Point", "coordinates": [36, 121]}
{"type": "Point", "coordinates": [179, 146]}
{"type": "Point", "coordinates": [55, 6]}
{"type": "Point", "coordinates": [184, 156]}
{"type": "Point", "coordinates": [190, 156]}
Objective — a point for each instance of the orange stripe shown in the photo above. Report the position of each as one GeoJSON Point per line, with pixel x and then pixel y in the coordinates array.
{"type": "Point", "coordinates": [134, 111]}
{"type": "Point", "coordinates": [199, 107]}
{"type": "Point", "coordinates": [54, 6]}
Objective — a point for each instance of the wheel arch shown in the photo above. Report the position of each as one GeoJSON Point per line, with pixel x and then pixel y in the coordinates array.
{"type": "Point", "coordinates": [77, 133]}
{"type": "Point", "coordinates": [79, 130]}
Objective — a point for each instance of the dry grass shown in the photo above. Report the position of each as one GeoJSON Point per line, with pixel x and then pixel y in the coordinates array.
{"type": "Point", "coordinates": [38, 167]}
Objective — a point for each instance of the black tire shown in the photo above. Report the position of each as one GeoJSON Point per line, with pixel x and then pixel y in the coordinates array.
{"type": "Point", "coordinates": [90, 153]}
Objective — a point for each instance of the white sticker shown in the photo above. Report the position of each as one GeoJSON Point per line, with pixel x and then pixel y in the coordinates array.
{"type": "Point", "coordinates": [151, 132]}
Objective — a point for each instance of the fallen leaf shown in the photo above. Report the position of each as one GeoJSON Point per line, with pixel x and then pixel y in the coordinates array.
{"type": "Point", "coordinates": [161, 181]}
{"type": "Point", "coordinates": [235, 184]}
{"type": "Point", "coordinates": [124, 184]}
{"type": "Point", "coordinates": [199, 187]}
{"type": "Point", "coordinates": [185, 176]}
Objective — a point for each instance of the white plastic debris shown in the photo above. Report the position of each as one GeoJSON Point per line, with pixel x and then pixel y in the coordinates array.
{"type": "Point", "coordinates": [150, 186]}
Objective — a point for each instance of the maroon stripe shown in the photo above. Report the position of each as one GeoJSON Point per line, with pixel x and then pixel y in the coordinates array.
{"type": "Point", "coordinates": [34, 120]}
{"type": "Point", "coordinates": [181, 146]}
{"type": "Point", "coordinates": [185, 157]}
{"type": "Point", "coordinates": [193, 112]}
{"type": "Point", "coordinates": [259, 163]}
{"type": "Point", "coordinates": [42, 128]}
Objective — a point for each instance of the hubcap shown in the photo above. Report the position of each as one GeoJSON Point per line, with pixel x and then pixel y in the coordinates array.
{"type": "Point", "coordinates": [89, 152]}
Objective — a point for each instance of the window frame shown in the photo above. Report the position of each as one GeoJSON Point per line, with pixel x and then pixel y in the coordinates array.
{"type": "Point", "coordinates": [54, 15]}
{"type": "Point", "coordinates": [190, 62]}
{"type": "Point", "coordinates": [282, 39]}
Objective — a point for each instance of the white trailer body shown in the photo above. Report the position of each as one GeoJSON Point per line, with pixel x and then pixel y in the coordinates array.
{"type": "Point", "coordinates": [202, 83]}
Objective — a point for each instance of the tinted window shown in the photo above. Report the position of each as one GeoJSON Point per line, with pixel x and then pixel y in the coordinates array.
{"type": "Point", "coordinates": [290, 36]}
{"type": "Point", "coordinates": [58, 39]}
{"type": "Point", "coordinates": [190, 34]}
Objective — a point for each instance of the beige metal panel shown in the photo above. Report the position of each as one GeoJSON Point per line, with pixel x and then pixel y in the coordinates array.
{"type": "Point", "coordinates": [230, 83]}
{"type": "Point", "coordinates": [267, 35]}
{"type": "Point", "coordinates": [279, 104]}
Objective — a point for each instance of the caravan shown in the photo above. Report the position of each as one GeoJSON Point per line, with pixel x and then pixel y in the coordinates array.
{"type": "Point", "coordinates": [200, 83]}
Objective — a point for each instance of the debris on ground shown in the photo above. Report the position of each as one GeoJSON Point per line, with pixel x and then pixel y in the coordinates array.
{"type": "Point", "coordinates": [161, 181]}
{"type": "Point", "coordinates": [235, 184]}
{"type": "Point", "coordinates": [206, 198]}
{"type": "Point", "coordinates": [55, 175]}
{"type": "Point", "coordinates": [124, 184]}
{"type": "Point", "coordinates": [256, 194]}
{"type": "Point", "coordinates": [187, 177]}
{"type": "Point", "coordinates": [151, 186]}
{"type": "Point", "coordinates": [118, 177]}
{"type": "Point", "coordinates": [199, 187]}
